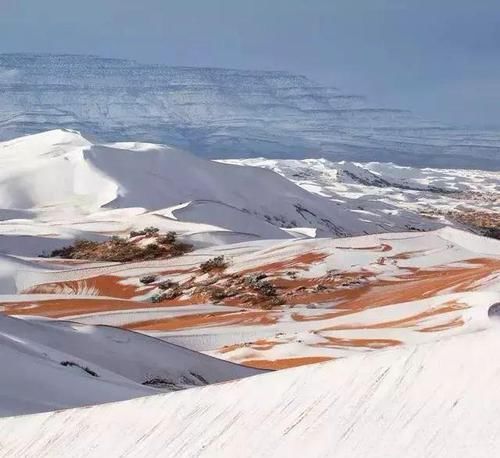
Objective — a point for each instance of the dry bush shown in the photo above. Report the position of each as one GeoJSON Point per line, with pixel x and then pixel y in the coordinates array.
{"type": "Point", "coordinates": [149, 231]}
{"type": "Point", "coordinates": [166, 295]}
{"type": "Point", "coordinates": [148, 279]}
{"type": "Point", "coordinates": [217, 263]}
{"type": "Point", "coordinates": [118, 249]}
{"type": "Point", "coordinates": [168, 239]}
{"type": "Point", "coordinates": [167, 284]}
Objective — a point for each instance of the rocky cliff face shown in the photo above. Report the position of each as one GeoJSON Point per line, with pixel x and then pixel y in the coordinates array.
{"type": "Point", "coordinates": [222, 113]}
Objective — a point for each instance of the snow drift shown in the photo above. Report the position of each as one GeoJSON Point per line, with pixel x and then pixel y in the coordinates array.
{"type": "Point", "coordinates": [435, 400]}
{"type": "Point", "coordinates": [50, 365]}
{"type": "Point", "coordinates": [57, 174]}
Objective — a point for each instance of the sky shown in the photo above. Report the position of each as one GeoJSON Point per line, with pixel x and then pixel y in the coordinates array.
{"type": "Point", "coordinates": [438, 58]}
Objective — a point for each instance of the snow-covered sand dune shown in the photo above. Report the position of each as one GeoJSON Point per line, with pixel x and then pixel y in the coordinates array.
{"type": "Point", "coordinates": [57, 184]}
{"type": "Point", "coordinates": [284, 294]}
{"type": "Point", "coordinates": [316, 298]}
{"type": "Point", "coordinates": [397, 198]}
{"type": "Point", "coordinates": [433, 400]}
{"type": "Point", "coordinates": [50, 365]}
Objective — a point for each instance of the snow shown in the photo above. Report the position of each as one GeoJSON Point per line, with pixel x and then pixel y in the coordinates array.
{"type": "Point", "coordinates": [10, 267]}
{"type": "Point", "coordinates": [389, 197]}
{"type": "Point", "coordinates": [470, 242]}
{"type": "Point", "coordinates": [223, 113]}
{"type": "Point", "coordinates": [68, 187]}
{"type": "Point", "coordinates": [56, 186]}
{"type": "Point", "coordinates": [34, 380]}
{"type": "Point", "coordinates": [435, 400]}
{"type": "Point", "coordinates": [407, 288]}
{"type": "Point", "coordinates": [427, 294]}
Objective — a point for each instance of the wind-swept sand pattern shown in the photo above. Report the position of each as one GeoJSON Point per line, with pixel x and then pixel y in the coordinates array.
{"type": "Point", "coordinates": [132, 269]}
{"type": "Point", "coordinates": [433, 400]}
{"type": "Point", "coordinates": [102, 285]}
{"type": "Point", "coordinates": [306, 299]}
{"type": "Point", "coordinates": [64, 307]}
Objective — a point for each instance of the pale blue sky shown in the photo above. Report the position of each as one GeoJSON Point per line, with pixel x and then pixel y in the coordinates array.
{"type": "Point", "coordinates": [439, 58]}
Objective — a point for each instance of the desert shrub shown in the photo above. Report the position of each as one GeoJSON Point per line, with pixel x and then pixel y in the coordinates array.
{"type": "Point", "coordinates": [158, 297]}
{"type": "Point", "coordinates": [149, 231]}
{"type": "Point", "coordinates": [153, 251]}
{"type": "Point", "coordinates": [161, 383]}
{"type": "Point", "coordinates": [117, 240]}
{"type": "Point", "coordinates": [493, 232]}
{"type": "Point", "coordinates": [64, 252]}
{"type": "Point", "coordinates": [127, 253]}
{"type": "Point", "coordinates": [71, 251]}
{"type": "Point", "coordinates": [180, 248]}
{"type": "Point", "coordinates": [266, 305]}
{"type": "Point", "coordinates": [148, 279]}
{"type": "Point", "coordinates": [84, 368]}
{"type": "Point", "coordinates": [167, 284]}
{"type": "Point", "coordinates": [258, 283]}
{"type": "Point", "coordinates": [274, 301]}
{"type": "Point", "coordinates": [253, 279]}
{"type": "Point", "coordinates": [266, 288]}
{"type": "Point", "coordinates": [118, 249]}
{"type": "Point", "coordinates": [166, 295]}
{"type": "Point", "coordinates": [217, 294]}
{"type": "Point", "coordinates": [167, 239]}
{"type": "Point", "coordinates": [219, 262]}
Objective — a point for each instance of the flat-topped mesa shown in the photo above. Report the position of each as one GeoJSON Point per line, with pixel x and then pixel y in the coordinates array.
{"type": "Point", "coordinates": [222, 112]}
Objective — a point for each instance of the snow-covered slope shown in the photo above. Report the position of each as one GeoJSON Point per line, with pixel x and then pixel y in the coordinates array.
{"type": "Point", "coordinates": [58, 184]}
{"type": "Point", "coordinates": [333, 175]}
{"type": "Point", "coordinates": [10, 266]}
{"type": "Point", "coordinates": [281, 303]}
{"type": "Point", "coordinates": [395, 197]}
{"type": "Point", "coordinates": [223, 113]}
{"type": "Point", "coordinates": [434, 400]}
{"type": "Point", "coordinates": [50, 365]}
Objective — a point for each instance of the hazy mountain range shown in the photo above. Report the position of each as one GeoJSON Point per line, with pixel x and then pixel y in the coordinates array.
{"type": "Point", "coordinates": [223, 113]}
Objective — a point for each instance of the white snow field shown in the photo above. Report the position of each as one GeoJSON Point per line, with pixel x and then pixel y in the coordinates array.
{"type": "Point", "coordinates": [50, 365]}
{"type": "Point", "coordinates": [433, 400]}
{"type": "Point", "coordinates": [317, 298]}
{"type": "Point", "coordinates": [392, 197]}
{"type": "Point", "coordinates": [57, 185]}
{"type": "Point", "coordinates": [322, 262]}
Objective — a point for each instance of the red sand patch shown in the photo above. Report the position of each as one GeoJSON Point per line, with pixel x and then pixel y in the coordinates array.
{"type": "Point", "coordinates": [204, 320]}
{"type": "Point", "coordinates": [384, 247]}
{"type": "Point", "coordinates": [322, 316]}
{"type": "Point", "coordinates": [335, 342]}
{"type": "Point", "coordinates": [60, 308]}
{"type": "Point", "coordinates": [418, 284]}
{"type": "Point", "coordinates": [455, 323]}
{"type": "Point", "coordinates": [260, 345]}
{"type": "Point", "coordinates": [406, 255]}
{"type": "Point", "coordinates": [104, 285]}
{"type": "Point", "coordinates": [406, 322]}
{"type": "Point", "coordinates": [300, 262]}
{"type": "Point", "coordinates": [284, 363]}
